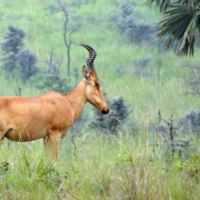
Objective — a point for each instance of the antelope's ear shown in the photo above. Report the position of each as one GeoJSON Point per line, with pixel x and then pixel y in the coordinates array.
{"type": "Point", "coordinates": [85, 72]}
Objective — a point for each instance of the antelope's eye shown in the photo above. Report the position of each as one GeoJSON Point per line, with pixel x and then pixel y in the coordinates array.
{"type": "Point", "coordinates": [96, 84]}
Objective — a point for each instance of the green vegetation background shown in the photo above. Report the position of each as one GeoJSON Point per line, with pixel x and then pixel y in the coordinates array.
{"type": "Point", "coordinates": [144, 94]}
{"type": "Point", "coordinates": [93, 173]}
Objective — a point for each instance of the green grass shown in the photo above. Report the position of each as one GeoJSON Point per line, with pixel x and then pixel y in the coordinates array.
{"type": "Point", "coordinates": [105, 166]}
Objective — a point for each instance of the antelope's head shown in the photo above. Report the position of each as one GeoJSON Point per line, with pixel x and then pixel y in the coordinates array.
{"type": "Point", "coordinates": [94, 94]}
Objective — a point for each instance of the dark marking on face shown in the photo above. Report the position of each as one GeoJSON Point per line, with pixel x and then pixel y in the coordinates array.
{"type": "Point", "coordinates": [96, 82]}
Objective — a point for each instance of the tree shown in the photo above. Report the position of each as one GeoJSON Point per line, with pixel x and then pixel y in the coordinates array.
{"type": "Point", "coordinates": [180, 24]}
{"type": "Point", "coordinates": [119, 114]}
{"type": "Point", "coordinates": [17, 61]}
{"type": "Point", "coordinates": [12, 45]}
{"type": "Point", "coordinates": [68, 28]}
{"type": "Point", "coordinates": [26, 61]}
{"type": "Point", "coordinates": [52, 76]}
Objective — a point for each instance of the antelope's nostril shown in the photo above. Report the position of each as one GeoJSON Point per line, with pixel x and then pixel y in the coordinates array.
{"type": "Point", "coordinates": [105, 111]}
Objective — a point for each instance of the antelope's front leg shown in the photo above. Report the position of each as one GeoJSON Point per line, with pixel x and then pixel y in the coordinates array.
{"type": "Point", "coordinates": [55, 137]}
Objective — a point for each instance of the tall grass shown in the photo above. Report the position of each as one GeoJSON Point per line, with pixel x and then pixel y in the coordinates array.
{"type": "Point", "coordinates": [102, 167]}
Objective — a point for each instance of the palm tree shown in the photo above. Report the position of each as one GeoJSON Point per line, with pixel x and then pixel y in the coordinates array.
{"type": "Point", "coordinates": [180, 24]}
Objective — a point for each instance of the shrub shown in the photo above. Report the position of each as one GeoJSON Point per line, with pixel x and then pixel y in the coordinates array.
{"type": "Point", "coordinates": [12, 45]}
{"type": "Point", "coordinates": [190, 122]}
{"type": "Point", "coordinates": [126, 24]}
{"type": "Point", "coordinates": [17, 61]}
{"type": "Point", "coordinates": [173, 138]}
{"type": "Point", "coordinates": [26, 60]}
{"type": "Point", "coordinates": [119, 113]}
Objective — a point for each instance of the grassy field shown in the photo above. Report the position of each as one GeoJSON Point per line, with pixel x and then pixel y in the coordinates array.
{"type": "Point", "coordinates": [103, 166]}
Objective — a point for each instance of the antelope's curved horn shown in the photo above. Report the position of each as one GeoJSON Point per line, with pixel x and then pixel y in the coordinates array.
{"type": "Point", "coordinates": [92, 56]}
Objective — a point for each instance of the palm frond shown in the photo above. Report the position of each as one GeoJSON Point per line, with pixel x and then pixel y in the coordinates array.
{"type": "Point", "coordinates": [180, 24]}
{"type": "Point", "coordinates": [165, 5]}
{"type": "Point", "coordinates": [162, 5]}
{"type": "Point", "coordinates": [179, 27]}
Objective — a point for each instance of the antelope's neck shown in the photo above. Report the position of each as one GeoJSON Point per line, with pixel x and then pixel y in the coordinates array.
{"type": "Point", "coordinates": [77, 98]}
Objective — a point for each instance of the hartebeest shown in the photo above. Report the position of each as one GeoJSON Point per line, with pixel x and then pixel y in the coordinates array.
{"type": "Point", "coordinates": [50, 115]}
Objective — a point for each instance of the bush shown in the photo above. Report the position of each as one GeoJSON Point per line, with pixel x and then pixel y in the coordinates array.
{"type": "Point", "coordinates": [12, 45]}
{"type": "Point", "coordinates": [26, 60]}
{"type": "Point", "coordinates": [172, 134]}
{"type": "Point", "coordinates": [17, 61]}
{"type": "Point", "coordinates": [119, 113]}
{"type": "Point", "coordinates": [190, 122]}
{"type": "Point", "coordinates": [125, 23]}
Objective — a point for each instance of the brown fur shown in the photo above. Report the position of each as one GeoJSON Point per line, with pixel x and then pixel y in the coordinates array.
{"type": "Point", "coordinates": [49, 115]}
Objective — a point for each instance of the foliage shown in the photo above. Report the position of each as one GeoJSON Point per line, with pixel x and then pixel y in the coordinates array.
{"type": "Point", "coordinates": [139, 172]}
{"type": "Point", "coordinates": [191, 166]}
{"type": "Point", "coordinates": [190, 122]}
{"type": "Point", "coordinates": [192, 81]}
{"type": "Point", "coordinates": [159, 128]}
{"type": "Point", "coordinates": [126, 24]}
{"type": "Point", "coordinates": [13, 43]}
{"type": "Point", "coordinates": [49, 176]}
{"type": "Point", "coordinates": [180, 25]}
{"type": "Point", "coordinates": [3, 167]}
{"type": "Point", "coordinates": [113, 122]}
{"type": "Point", "coordinates": [141, 66]}
{"type": "Point", "coordinates": [17, 61]}
{"type": "Point", "coordinates": [55, 83]}
{"type": "Point", "coordinates": [26, 60]}
{"type": "Point", "coordinates": [78, 3]}
{"type": "Point", "coordinates": [136, 182]}
{"type": "Point", "coordinates": [68, 30]}
{"type": "Point", "coordinates": [104, 167]}
{"type": "Point", "coordinates": [53, 80]}
{"type": "Point", "coordinates": [174, 136]}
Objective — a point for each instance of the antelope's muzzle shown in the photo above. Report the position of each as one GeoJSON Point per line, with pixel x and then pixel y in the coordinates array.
{"type": "Point", "coordinates": [105, 111]}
